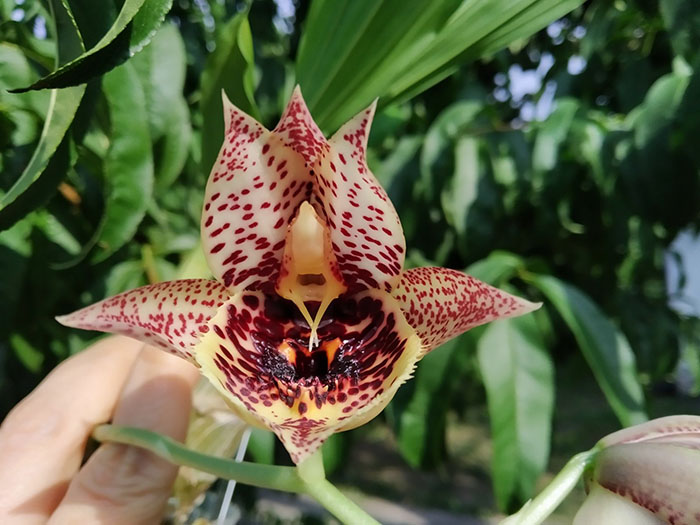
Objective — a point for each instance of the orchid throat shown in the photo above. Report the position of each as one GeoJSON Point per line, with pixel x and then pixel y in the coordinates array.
{"type": "Point", "coordinates": [309, 276]}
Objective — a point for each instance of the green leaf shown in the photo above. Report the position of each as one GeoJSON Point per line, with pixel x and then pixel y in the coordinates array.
{"type": "Point", "coordinates": [551, 133]}
{"type": "Point", "coordinates": [174, 145]}
{"type": "Point", "coordinates": [436, 154]}
{"type": "Point", "coordinates": [124, 276]}
{"type": "Point", "coordinates": [462, 190]}
{"type": "Point", "coordinates": [63, 105]}
{"type": "Point", "coordinates": [28, 355]}
{"type": "Point", "coordinates": [229, 68]}
{"type": "Point", "coordinates": [262, 446]}
{"type": "Point", "coordinates": [682, 21]}
{"type": "Point", "coordinates": [43, 188]}
{"type": "Point", "coordinates": [15, 70]}
{"type": "Point", "coordinates": [134, 27]}
{"type": "Point", "coordinates": [660, 104]}
{"type": "Point", "coordinates": [335, 452]}
{"type": "Point", "coordinates": [421, 419]}
{"type": "Point", "coordinates": [518, 375]}
{"type": "Point", "coordinates": [15, 252]}
{"type": "Point", "coordinates": [353, 51]}
{"type": "Point", "coordinates": [497, 268]}
{"type": "Point", "coordinates": [128, 164]}
{"type": "Point", "coordinates": [605, 348]}
{"type": "Point", "coordinates": [161, 67]}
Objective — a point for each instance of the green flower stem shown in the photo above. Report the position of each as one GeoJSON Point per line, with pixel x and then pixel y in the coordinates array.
{"type": "Point", "coordinates": [316, 485]}
{"type": "Point", "coordinates": [267, 476]}
{"type": "Point", "coordinates": [338, 504]}
{"type": "Point", "coordinates": [311, 469]}
{"type": "Point", "coordinates": [538, 509]}
{"type": "Point", "coordinates": [308, 477]}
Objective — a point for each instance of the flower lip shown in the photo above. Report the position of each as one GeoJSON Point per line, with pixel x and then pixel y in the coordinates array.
{"type": "Point", "coordinates": [256, 352]}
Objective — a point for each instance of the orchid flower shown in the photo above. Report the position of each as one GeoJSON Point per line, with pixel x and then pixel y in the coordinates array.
{"type": "Point", "coordinates": [646, 474]}
{"type": "Point", "coordinates": [312, 324]}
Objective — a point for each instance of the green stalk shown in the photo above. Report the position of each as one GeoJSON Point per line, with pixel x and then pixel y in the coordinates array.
{"type": "Point", "coordinates": [338, 504]}
{"type": "Point", "coordinates": [308, 477]}
{"type": "Point", "coordinates": [538, 509]}
{"type": "Point", "coordinates": [318, 487]}
{"type": "Point", "coordinates": [266, 476]}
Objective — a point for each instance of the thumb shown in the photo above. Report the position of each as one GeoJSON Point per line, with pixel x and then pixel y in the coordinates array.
{"type": "Point", "coordinates": [123, 484]}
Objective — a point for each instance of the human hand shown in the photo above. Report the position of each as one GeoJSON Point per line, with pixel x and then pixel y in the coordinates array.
{"type": "Point", "coordinates": [43, 439]}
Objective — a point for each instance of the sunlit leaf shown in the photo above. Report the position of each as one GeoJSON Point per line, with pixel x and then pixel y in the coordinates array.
{"type": "Point", "coordinates": [660, 104]}
{"type": "Point", "coordinates": [497, 268]}
{"type": "Point", "coordinates": [63, 105]}
{"type": "Point", "coordinates": [463, 188]}
{"type": "Point", "coordinates": [682, 20]}
{"type": "Point", "coordinates": [353, 51]}
{"type": "Point", "coordinates": [605, 348]}
{"type": "Point", "coordinates": [134, 27]}
{"type": "Point", "coordinates": [161, 67]}
{"type": "Point", "coordinates": [128, 164]}
{"type": "Point", "coordinates": [31, 357]}
{"type": "Point", "coordinates": [437, 158]}
{"type": "Point", "coordinates": [519, 378]}
{"type": "Point", "coordinates": [551, 133]}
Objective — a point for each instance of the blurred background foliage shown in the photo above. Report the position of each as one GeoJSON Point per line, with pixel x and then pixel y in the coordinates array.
{"type": "Point", "coordinates": [546, 147]}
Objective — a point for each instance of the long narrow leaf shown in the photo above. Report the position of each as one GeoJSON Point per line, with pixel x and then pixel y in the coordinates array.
{"type": "Point", "coordinates": [134, 27]}
{"type": "Point", "coordinates": [63, 105]}
{"type": "Point", "coordinates": [353, 51]}
{"type": "Point", "coordinates": [605, 348]}
{"type": "Point", "coordinates": [41, 191]}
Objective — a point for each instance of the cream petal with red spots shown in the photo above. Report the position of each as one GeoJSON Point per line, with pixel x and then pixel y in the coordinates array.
{"type": "Point", "coordinates": [172, 315]}
{"type": "Point", "coordinates": [364, 227]}
{"type": "Point", "coordinates": [254, 191]}
{"type": "Point", "coordinates": [440, 303]}
{"type": "Point", "coordinates": [256, 354]}
{"type": "Point", "coordinates": [298, 131]}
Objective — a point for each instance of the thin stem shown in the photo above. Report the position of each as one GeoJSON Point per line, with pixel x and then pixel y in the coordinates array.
{"type": "Point", "coordinates": [338, 504]}
{"type": "Point", "coordinates": [311, 469]}
{"type": "Point", "coordinates": [318, 487]}
{"type": "Point", "coordinates": [266, 476]}
{"type": "Point", "coordinates": [538, 509]}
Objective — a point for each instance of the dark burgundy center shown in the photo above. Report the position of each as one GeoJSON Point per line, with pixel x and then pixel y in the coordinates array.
{"type": "Point", "coordinates": [281, 336]}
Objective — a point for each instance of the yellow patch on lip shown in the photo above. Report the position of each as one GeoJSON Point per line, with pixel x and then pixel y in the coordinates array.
{"type": "Point", "coordinates": [287, 351]}
{"type": "Point", "coordinates": [309, 269]}
{"type": "Point", "coordinates": [331, 348]}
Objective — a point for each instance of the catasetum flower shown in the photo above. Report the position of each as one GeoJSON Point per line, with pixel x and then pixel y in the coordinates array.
{"type": "Point", "coordinates": [312, 324]}
{"type": "Point", "coordinates": [648, 474]}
